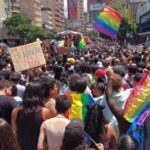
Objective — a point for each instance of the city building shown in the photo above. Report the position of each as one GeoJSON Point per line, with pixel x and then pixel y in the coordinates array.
{"type": "Point", "coordinates": [4, 10]}
{"type": "Point", "coordinates": [15, 6]}
{"type": "Point", "coordinates": [47, 18]}
{"type": "Point", "coordinates": [94, 8]}
{"type": "Point", "coordinates": [30, 8]}
{"type": "Point", "coordinates": [53, 10]}
{"type": "Point", "coordinates": [76, 14]}
{"type": "Point", "coordinates": [3, 14]}
{"type": "Point", "coordinates": [144, 19]}
{"type": "Point", "coordinates": [47, 21]}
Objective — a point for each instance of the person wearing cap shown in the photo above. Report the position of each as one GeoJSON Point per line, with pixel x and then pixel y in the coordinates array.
{"type": "Point", "coordinates": [74, 136]}
{"type": "Point", "coordinates": [100, 76]}
{"type": "Point", "coordinates": [71, 60]}
{"type": "Point", "coordinates": [54, 128]}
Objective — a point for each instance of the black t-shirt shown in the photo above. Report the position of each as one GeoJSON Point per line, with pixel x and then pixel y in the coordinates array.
{"type": "Point", "coordinates": [7, 104]}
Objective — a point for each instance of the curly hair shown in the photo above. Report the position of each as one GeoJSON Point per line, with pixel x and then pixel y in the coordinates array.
{"type": "Point", "coordinates": [95, 122]}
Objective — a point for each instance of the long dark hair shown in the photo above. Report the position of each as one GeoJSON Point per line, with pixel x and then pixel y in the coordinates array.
{"type": "Point", "coordinates": [47, 84]}
{"type": "Point", "coordinates": [32, 97]}
{"type": "Point", "coordinates": [7, 138]}
{"type": "Point", "coordinates": [95, 122]}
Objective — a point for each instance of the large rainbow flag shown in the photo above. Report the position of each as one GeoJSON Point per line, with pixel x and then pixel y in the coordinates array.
{"type": "Point", "coordinates": [137, 106]}
{"type": "Point", "coordinates": [108, 22]}
{"type": "Point", "coordinates": [79, 105]}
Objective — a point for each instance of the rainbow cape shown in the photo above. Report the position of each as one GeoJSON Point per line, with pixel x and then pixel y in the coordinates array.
{"type": "Point", "coordinates": [79, 103]}
{"type": "Point", "coordinates": [138, 101]}
{"type": "Point", "coordinates": [82, 43]}
{"type": "Point", "coordinates": [108, 22]}
{"type": "Point", "coordinates": [60, 43]}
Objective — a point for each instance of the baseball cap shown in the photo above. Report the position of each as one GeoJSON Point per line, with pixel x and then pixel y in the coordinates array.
{"type": "Point", "coordinates": [100, 73]}
{"type": "Point", "coordinates": [71, 60]}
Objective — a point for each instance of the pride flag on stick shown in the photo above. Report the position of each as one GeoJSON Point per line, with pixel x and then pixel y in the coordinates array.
{"type": "Point", "coordinates": [108, 22]}
{"type": "Point", "coordinates": [138, 103]}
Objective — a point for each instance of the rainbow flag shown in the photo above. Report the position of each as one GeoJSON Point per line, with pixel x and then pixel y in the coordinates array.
{"type": "Point", "coordinates": [108, 22]}
{"type": "Point", "coordinates": [60, 43]}
{"type": "Point", "coordinates": [139, 100]}
{"type": "Point", "coordinates": [79, 105]}
{"type": "Point", "coordinates": [82, 43]}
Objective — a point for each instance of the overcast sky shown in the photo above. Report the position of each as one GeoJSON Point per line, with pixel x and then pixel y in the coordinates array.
{"type": "Point", "coordinates": [66, 10]}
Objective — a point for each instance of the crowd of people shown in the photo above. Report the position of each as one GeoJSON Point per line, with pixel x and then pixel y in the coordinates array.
{"type": "Point", "coordinates": [34, 104]}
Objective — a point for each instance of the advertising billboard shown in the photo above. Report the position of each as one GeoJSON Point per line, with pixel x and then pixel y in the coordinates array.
{"type": "Point", "coordinates": [72, 9]}
{"type": "Point", "coordinates": [74, 23]}
{"type": "Point", "coordinates": [138, 1]}
{"type": "Point", "coordinates": [96, 6]}
{"type": "Point", "coordinates": [145, 22]}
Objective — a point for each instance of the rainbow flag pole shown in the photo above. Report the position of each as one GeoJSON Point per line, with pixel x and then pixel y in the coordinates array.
{"type": "Point", "coordinates": [108, 22]}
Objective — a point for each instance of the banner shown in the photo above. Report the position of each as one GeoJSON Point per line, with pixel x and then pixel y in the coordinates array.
{"type": "Point", "coordinates": [27, 56]}
{"type": "Point", "coordinates": [72, 9]}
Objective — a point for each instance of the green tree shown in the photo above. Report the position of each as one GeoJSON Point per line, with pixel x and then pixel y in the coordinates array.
{"type": "Point", "coordinates": [119, 5]}
{"type": "Point", "coordinates": [92, 33]}
{"type": "Point", "coordinates": [20, 26]}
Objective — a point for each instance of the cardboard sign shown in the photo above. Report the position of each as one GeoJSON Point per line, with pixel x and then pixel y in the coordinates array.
{"type": "Point", "coordinates": [27, 56]}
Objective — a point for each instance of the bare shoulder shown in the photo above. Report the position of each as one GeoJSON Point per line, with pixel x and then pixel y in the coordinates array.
{"type": "Point", "coordinates": [111, 129]}
{"type": "Point", "coordinates": [51, 101]}
{"type": "Point", "coordinates": [45, 113]}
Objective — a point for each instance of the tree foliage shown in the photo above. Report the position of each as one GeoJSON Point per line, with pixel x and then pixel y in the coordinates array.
{"type": "Point", "coordinates": [119, 5]}
{"type": "Point", "coordinates": [21, 27]}
{"type": "Point", "coordinates": [92, 33]}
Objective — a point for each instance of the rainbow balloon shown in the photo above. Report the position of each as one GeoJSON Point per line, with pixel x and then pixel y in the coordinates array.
{"type": "Point", "coordinates": [139, 100]}
{"type": "Point", "coordinates": [82, 43]}
{"type": "Point", "coordinates": [60, 43]}
{"type": "Point", "coordinates": [108, 22]}
{"type": "Point", "coordinates": [79, 103]}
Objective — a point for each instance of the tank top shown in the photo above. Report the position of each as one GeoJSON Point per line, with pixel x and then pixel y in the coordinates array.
{"type": "Point", "coordinates": [28, 128]}
{"type": "Point", "coordinates": [55, 129]}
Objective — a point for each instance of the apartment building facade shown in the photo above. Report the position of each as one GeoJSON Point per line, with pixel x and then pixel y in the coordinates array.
{"type": "Point", "coordinates": [30, 8]}
{"type": "Point", "coordinates": [76, 14]}
{"type": "Point", "coordinates": [53, 10]}
{"type": "Point", "coordinates": [94, 8]}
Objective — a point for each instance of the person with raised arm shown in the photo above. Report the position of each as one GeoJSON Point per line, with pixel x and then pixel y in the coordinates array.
{"type": "Point", "coordinates": [113, 105]}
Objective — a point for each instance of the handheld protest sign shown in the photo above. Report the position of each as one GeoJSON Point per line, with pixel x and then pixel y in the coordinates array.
{"type": "Point", "coordinates": [27, 56]}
